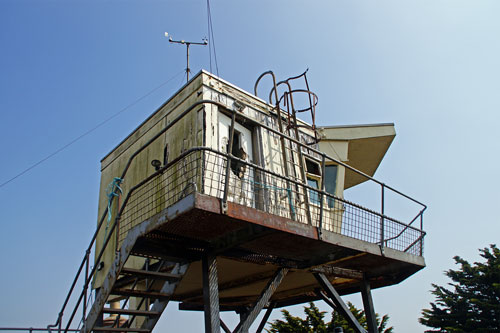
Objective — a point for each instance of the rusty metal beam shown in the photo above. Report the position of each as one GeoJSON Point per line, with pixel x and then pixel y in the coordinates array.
{"type": "Point", "coordinates": [338, 272]}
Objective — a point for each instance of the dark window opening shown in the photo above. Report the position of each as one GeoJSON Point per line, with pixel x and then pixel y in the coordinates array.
{"type": "Point", "coordinates": [237, 167]}
{"type": "Point", "coordinates": [312, 167]}
{"type": "Point", "coordinates": [313, 172]}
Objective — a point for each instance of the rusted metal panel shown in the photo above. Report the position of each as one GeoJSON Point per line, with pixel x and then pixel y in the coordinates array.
{"type": "Point", "coordinates": [340, 272]}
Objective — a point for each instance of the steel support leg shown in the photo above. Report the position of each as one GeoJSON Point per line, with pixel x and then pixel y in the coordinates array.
{"type": "Point", "coordinates": [211, 294]}
{"type": "Point", "coordinates": [339, 303]}
{"type": "Point", "coordinates": [265, 318]}
{"type": "Point", "coordinates": [371, 319]}
{"type": "Point", "coordinates": [264, 297]}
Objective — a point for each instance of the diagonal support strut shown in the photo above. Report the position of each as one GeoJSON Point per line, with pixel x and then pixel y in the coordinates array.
{"type": "Point", "coordinates": [264, 298]}
{"type": "Point", "coordinates": [339, 303]}
{"type": "Point", "coordinates": [265, 318]}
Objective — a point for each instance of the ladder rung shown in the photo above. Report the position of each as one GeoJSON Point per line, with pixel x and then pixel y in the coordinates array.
{"type": "Point", "coordinates": [121, 329]}
{"type": "Point", "coordinates": [131, 312]}
{"type": "Point", "coordinates": [151, 274]}
{"type": "Point", "coordinates": [140, 293]}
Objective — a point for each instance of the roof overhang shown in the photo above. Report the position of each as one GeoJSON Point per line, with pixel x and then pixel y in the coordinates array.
{"type": "Point", "coordinates": [367, 145]}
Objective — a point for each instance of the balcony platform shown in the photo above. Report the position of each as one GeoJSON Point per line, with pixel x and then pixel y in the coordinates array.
{"type": "Point", "coordinates": [251, 245]}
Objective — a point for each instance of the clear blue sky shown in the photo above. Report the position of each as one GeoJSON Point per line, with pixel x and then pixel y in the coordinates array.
{"type": "Point", "coordinates": [431, 67]}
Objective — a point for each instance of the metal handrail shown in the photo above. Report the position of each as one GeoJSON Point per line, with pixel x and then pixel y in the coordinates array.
{"type": "Point", "coordinates": [295, 182]}
{"type": "Point", "coordinates": [407, 225]}
{"type": "Point", "coordinates": [34, 329]}
{"type": "Point", "coordinates": [86, 259]}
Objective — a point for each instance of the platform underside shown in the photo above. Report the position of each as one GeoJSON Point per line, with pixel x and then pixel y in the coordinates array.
{"type": "Point", "coordinates": [251, 245]}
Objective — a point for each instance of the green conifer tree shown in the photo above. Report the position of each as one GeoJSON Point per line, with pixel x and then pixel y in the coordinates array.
{"type": "Point", "coordinates": [472, 304]}
{"type": "Point", "coordinates": [315, 321]}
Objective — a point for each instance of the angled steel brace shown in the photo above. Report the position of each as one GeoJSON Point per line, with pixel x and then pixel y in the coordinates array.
{"type": "Point", "coordinates": [371, 319]}
{"type": "Point", "coordinates": [337, 300]}
{"type": "Point", "coordinates": [224, 327]}
{"type": "Point", "coordinates": [210, 294]}
{"type": "Point", "coordinates": [264, 297]}
{"type": "Point", "coordinates": [168, 288]}
{"type": "Point", "coordinates": [265, 318]}
{"type": "Point", "coordinates": [326, 299]}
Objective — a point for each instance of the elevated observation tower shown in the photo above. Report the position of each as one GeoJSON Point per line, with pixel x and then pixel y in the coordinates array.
{"type": "Point", "coordinates": [221, 201]}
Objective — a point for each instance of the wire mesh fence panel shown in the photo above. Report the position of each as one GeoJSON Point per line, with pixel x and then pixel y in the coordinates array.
{"type": "Point", "coordinates": [162, 191]}
{"type": "Point", "coordinates": [206, 170]}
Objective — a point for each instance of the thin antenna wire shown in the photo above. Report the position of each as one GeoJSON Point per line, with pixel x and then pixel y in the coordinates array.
{"type": "Point", "coordinates": [89, 131]}
{"type": "Point", "coordinates": [211, 35]}
{"type": "Point", "coordinates": [209, 39]}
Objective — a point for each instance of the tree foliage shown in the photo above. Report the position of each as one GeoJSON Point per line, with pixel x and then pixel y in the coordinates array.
{"type": "Point", "coordinates": [472, 304]}
{"type": "Point", "coordinates": [315, 321]}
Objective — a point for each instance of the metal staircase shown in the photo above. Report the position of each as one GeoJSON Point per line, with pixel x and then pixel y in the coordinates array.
{"type": "Point", "coordinates": [143, 295]}
{"type": "Point", "coordinates": [135, 297]}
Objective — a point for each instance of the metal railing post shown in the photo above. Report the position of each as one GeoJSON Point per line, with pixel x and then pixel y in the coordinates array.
{"type": "Point", "coordinates": [421, 231]}
{"type": "Point", "coordinates": [382, 220]}
{"type": "Point", "coordinates": [85, 287]}
{"type": "Point", "coordinates": [321, 196]}
{"type": "Point", "coordinates": [228, 164]}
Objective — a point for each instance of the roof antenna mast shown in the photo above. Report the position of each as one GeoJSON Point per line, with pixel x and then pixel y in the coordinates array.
{"type": "Point", "coordinates": [205, 42]}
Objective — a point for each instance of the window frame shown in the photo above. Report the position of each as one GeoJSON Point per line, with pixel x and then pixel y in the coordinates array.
{"type": "Point", "coordinates": [314, 177]}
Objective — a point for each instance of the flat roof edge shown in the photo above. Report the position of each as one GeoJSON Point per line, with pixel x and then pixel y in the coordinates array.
{"type": "Point", "coordinates": [354, 126]}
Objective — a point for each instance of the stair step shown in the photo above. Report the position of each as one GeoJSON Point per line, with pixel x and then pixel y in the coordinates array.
{"type": "Point", "coordinates": [131, 312]}
{"type": "Point", "coordinates": [140, 293]}
{"type": "Point", "coordinates": [121, 329]}
{"type": "Point", "coordinates": [151, 274]}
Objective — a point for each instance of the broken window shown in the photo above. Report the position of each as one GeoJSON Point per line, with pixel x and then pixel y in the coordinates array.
{"type": "Point", "coordinates": [313, 174]}
{"type": "Point", "coordinates": [312, 167]}
{"type": "Point", "coordinates": [237, 150]}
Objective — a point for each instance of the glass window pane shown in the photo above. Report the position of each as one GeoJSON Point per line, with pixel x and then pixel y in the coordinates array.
{"type": "Point", "coordinates": [313, 195]}
{"type": "Point", "coordinates": [330, 182]}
